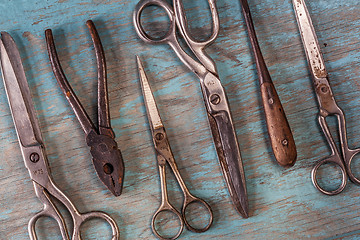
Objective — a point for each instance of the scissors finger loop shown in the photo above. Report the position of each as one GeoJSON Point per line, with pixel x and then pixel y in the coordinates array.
{"type": "Point", "coordinates": [139, 28]}
{"type": "Point", "coordinates": [343, 172]}
{"type": "Point", "coordinates": [183, 26]}
{"type": "Point", "coordinates": [49, 210]}
{"type": "Point", "coordinates": [169, 209]}
{"type": "Point", "coordinates": [189, 200]}
{"type": "Point", "coordinates": [349, 156]}
{"type": "Point", "coordinates": [81, 218]}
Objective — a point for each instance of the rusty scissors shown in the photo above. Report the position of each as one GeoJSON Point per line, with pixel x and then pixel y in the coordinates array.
{"type": "Point", "coordinates": [106, 156]}
{"type": "Point", "coordinates": [32, 147]}
{"type": "Point", "coordinates": [327, 103]}
{"type": "Point", "coordinates": [164, 155]}
{"type": "Point", "coordinates": [214, 95]}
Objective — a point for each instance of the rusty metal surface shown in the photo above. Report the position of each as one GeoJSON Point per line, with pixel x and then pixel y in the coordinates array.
{"type": "Point", "coordinates": [283, 202]}
{"type": "Point", "coordinates": [106, 156]}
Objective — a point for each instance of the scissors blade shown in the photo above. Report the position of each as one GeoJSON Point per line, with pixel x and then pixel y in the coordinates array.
{"type": "Point", "coordinates": [228, 152]}
{"type": "Point", "coordinates": [18, 93]}
{"type": "Point", "coordinates": [310, 41]}
{"type": "Point", "coordinates": [151, 108]}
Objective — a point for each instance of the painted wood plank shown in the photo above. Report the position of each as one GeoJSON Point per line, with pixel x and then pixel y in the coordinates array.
{"type": "Point", "coordinates": [283, 202]}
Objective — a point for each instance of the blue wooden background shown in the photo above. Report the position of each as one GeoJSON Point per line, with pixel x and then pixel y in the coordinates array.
{"type": "Point", "coordinates": [283, 202]}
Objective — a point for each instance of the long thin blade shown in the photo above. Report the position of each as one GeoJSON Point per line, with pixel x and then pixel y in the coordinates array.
{"type": "Point", "coordinates": [310, 41]}
{"type": "Point", "coordinates": [18, 93]}
{"type": "Point", "coordinates": [228, 152]}
{"type": "Point", "coordinates": [151, 108]}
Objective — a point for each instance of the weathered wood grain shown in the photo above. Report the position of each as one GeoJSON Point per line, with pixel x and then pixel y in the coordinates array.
{"type": "Point", "coordinates": [283, 202]}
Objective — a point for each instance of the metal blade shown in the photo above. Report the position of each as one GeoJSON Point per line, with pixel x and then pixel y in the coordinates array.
{"type": "Point", "coordinates": [228, 152]}
{"type": "Point", "coordinates": [151, 108]}
{"type": "Point", "coordinates": [18, 93]}
{"type": "Point", "coordinates": [310, 41]}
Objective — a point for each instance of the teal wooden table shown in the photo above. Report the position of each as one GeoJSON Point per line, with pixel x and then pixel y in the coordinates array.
{"type": "Point", "coordinates": [283, 202]}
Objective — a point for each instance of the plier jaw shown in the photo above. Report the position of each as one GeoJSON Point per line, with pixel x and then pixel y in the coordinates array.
{"type": "Point", "coordinates": [106, 155]}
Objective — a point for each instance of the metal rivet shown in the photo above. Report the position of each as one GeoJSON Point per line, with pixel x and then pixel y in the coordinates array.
{"type": "Point", "coordinates": [103, 147]}
{"type": "Point", "coordinates": [285, 142]}
{"type": "Point", "coordinates": [34, 157]}
{"type": "Point", "coordinates": [108, 168]}
{"type": "Point", "coordinates": [324, 89]}
{"type": "Point", "coordinates": [271, 101]}
{"type": "Point", "coordinates": [159, 136]}
{"type": "Point", "coordinates": [215, 99]}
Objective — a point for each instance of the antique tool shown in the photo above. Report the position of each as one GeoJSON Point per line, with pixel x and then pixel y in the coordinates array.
{"type": "Point", "coordinates": [327, 103]}
{"type": "Point", "coordinates": [164, 155]}
{"type": "Point", "coordinates": [33, 149]}
{"type": "Point", "coordinates": [281, 138]}
{"type": "Point", "coordinates": [106, 156]}
{"type": "Point", "coordinates": [215, 99]}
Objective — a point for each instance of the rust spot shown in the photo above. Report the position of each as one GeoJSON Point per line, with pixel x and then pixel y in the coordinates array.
{"type": "Point", "coordinates": [68, 94]}
{"type": "Point", "coordinates": [320, 73]}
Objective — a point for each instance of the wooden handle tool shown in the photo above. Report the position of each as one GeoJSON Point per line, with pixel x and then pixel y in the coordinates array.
{"type": "Point", "coordinates": [281, 138]}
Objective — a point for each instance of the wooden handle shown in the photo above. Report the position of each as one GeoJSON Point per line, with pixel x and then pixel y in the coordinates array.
{"type": "Point", "coordinates": [281, 138]}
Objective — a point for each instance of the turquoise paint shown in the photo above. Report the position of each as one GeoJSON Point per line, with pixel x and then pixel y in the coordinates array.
{"type": "Point", "coordinates": [283, 203]}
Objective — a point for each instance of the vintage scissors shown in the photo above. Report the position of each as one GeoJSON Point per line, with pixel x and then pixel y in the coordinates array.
{"type": "Point", "coordinates": [215, 99]}
{"type": "Point", "coordinates": [106, 156]}
{"type": "Point", "coordinates": [32, 147]}
{"type": "Point", "coordinates": [164, 155]}
{"type": "Point", "coordinates": [327, 103]}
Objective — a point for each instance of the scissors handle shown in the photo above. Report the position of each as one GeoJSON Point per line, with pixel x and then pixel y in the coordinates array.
{"type": "Point", "coordinates": [49, 210]}
{"type": "Point", "coordinates": [78, 218]}
{"type": "Point", "coordinates": [167, 207]}
{"type": "Point", "coordinates": [335, 159]}
{"type": "Point", "coordinates": [170, 38]}
{"type": "Point", "coordinates": [165, 204]}
{"type": "Point", "coordinates": [171, 33]}
{"type": "Point", "coordinates": [165, 155]}
{"type": "Point", "coordinates": [190, 199]}
{"type": "Point", "coordinates": [348, 154]}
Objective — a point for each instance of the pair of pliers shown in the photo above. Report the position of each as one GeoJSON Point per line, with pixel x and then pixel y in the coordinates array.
{"type": "Point", "coordinates": [106, 156]}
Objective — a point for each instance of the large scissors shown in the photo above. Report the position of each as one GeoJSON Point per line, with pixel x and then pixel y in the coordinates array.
{"type": "Point", "coordinates": [215, 99]}
{"type": "Point", "coordinates": [164, 155]}
{"type": "Point", "coordinates": [33, 150]}
{"type": "Point", "coordinates": [327, 103]}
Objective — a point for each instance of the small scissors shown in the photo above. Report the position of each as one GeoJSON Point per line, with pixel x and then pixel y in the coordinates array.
{"type": "Point", "coordinates": [215, 99]}
{"type": "Point", "coordinates": [164, 154]}
{"type": "Point", "coordinates": [327, 103]}
{"type": "Point", "coordinates": [32, 147]}
{"type": "Point", "coordinates": [106, 156]}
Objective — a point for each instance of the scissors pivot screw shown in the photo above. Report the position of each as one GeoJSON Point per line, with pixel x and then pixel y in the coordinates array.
{"type": "Point", "coordinates": [215, 99]}
{"type": "Point", "coordinates": [285, 142]}
{"type": "Point", "coordinates": [159, 136]}
{"type": "Point", "coordinates": [324, 89]}
{"type": "Point", "coordinates": [34, 157]}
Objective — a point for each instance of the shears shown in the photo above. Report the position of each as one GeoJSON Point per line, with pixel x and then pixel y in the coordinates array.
{"type": "Point", "coordinates": [164, 155]}
{"type": "Point", "coordinates": [33, 149]}
{"type": "Point", "coordinates": [214, 95]}
{"type": "Point", "coordinates": [327, 103]}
